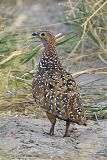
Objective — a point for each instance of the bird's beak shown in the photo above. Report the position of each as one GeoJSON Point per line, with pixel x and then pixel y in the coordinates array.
{"type": "Point", "coordinates": [35, 34]}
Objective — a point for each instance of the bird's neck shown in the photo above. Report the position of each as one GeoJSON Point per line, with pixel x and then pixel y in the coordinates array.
{"type": "Point", "coordinates": [49, 59]}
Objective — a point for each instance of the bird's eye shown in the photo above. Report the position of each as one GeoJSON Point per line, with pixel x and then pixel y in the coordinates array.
{"type": "Point", "coordinates": [42, 34]}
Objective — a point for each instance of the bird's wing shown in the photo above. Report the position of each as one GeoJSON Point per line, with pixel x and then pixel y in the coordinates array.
{"type": "Point", "coordinates": [65, 95]}
{"type": "Point", "coordinates": [58, 93]}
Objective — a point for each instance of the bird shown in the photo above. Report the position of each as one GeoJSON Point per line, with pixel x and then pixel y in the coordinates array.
{"type": "Point", "coordinates": [54, 89]}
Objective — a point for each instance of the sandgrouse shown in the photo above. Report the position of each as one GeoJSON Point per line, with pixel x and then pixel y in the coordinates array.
{"type": "Point", "coordinates": [54, 89]}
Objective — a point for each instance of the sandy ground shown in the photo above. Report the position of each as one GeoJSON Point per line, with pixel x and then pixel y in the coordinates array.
{"type": "Point", "coordinates": [24, 138]}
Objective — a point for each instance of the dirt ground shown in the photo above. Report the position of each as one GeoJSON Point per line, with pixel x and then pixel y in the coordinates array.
{"type": "Point", "coordinates": [24, 137]}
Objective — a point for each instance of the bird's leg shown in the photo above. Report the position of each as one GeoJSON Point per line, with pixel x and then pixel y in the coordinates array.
{"type": "Point", "coordinates": [52, 119]}
{"type": "Point", "coordinates": [52, 129]}
{"type": "Point", "coordinates": [67, 127]}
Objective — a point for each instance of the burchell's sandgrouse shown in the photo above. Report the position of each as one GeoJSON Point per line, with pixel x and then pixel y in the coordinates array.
{"type": "Point", "coordinates": [54, 89]}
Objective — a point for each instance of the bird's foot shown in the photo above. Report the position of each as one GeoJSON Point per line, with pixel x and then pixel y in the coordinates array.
{"type": "Point", "coordinates": [48, 133]}
{"type": "Point", "coordinates": [66, 135]}
{"type": "Point", "coordinates": [51, 133]}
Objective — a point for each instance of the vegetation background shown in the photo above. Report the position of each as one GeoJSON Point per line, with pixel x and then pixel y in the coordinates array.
{"type": "Point", "coordinates": [82, 49]}
{"type": "Point", "coordinates": [81, 31]}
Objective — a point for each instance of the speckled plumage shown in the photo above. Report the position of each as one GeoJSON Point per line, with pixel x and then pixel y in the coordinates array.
{"type": "Point", "coordinates": [54, 89]}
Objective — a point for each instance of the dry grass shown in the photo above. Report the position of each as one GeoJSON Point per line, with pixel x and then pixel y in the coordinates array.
{"type": "Point", "coordinates": [87, 24]}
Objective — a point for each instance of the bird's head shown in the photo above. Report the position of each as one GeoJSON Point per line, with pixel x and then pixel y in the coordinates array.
{"type": "Point", "coordinates": [46, 37]}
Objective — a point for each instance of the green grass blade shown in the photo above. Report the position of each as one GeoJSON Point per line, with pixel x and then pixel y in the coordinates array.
{"type": "Point", "coordinates": [29, 56]}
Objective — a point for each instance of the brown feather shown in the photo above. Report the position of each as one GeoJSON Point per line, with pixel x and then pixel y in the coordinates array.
{"type": "Point", "coordinates": [55, 90]}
